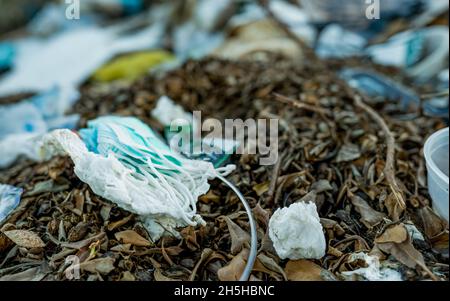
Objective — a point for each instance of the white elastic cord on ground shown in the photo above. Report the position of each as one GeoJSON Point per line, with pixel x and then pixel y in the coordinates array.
{"type": "Point", "coordinates": [253, 237]}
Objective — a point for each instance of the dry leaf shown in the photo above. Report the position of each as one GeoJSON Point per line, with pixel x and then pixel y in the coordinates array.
{"type": "Point", "coordinates": [131, 237]}
{"type": "Point", "coordinates": [404, 251]}
{"type": "Point", "coordinates": [100, 265]}
{"type": "Point", "coordinates": [33, 274]}
{"type": "Point", "coordinates": [269, 263]}
{"type": "Point", "coordinates": [369, 216]}
{"type": "Point", "coordinates": [261, 188]}
{"type": "Point", "coordinates": [25, 238]}
{"type": "Point", "coordinates": [234, 269]}
{"type": "Point", "coordinates": [432, 224]}
{"type": "Point", "coordinates": [209, 197]}
{"type": "Point", "coordinates": [261, 215]}
{"type": "Point", "coordinates": [396, 234]}
{"type": "Point", "coordinates": [393, 207]}
{"type": "Point", "coordinates": [238, 236]}
{"type": "Point", "coordinates": [119, 223]}
{"type": "Point", "coordinates": [190, 238]}
{"type": "Point", "coordinates": [78, 232]}
{"type": "Point", "coordinates": [305, 270]}
{"type": "Point", "coordinates": [84, 243]}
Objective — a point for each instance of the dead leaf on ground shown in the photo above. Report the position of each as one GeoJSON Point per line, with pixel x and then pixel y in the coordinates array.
{"type": "Point", "coordinates": [99, 265]}
{"type": "Point", "coordinates": [238, 236]}
{"type": "Point", "coordinates": [25, 238]}
{"type": "Point", "coordinates": [131, 237]}
{"type": "Point", "coordinates": [369, 216]}
{"type": "Point", "coordinates": [234, 269]}
{"type": "Point", "coordinates": [396, 234]}
{"type": "Point", "coordinates": [404, 251]}
{"type": "Point", "coordinates": [261, 188]}
{"type": "Point", "coordinates": [119, 223]}
{"type": "Point", "coordinates": [305, 270]}
{"type": "Point", "coordinates": [33, 274]}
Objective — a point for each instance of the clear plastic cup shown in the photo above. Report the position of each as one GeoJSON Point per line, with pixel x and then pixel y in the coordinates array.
{"type": "Point", "coordinates": [436, 153]}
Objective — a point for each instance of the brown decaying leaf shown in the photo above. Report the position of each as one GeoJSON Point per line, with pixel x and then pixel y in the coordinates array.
{"type": "Point", "coordinates": [25, 238]}
{"type": "Point", "coordinates": [234, 269]}
{"type": "Point", "coordinates": [32, 274]}
{"type": "Point", "coordinates": [131, 237]}
{"type": "Point", "coordinates": [114, 225]}
{"type": "Point", "coordinates": [99, 265]}
{"type": "Point", "coordinates": [305, 270]}
{"type": "Point", "coordinates": [369, 216]}
{"type": "Point", "coordinates": [396, 234]}
{"type": "Point", "coordinates": [238, 236]}
{"type": "Point", "coordinates": [403, 251]}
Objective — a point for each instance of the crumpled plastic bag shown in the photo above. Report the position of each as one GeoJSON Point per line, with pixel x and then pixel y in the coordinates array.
{"type": "Point", "coordinates": [296, 232]}
{"type": "Point", "coordinates": [127, 164]}
{"type": "Point", "coordinates": [9, 199]}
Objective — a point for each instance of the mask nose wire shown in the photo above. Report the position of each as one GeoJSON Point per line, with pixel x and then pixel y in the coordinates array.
{"type": "Point", "coordinates": [253, 237]}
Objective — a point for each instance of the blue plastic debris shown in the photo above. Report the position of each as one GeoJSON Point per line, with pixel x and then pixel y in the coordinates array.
{"type": "Point", "coordinates": [7, 53]}
{"type": "Point", "coordinates": [380, 88]}
{"type": "Point", "coordinates": [9, 199]}
{"type": "Point", "coordinates": [131, 7]}
{"type": "Point", "coordinates": [24, 121]}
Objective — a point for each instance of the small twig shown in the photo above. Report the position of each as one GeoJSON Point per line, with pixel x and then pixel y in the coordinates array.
{"type": "Point", "coordinates": [300, 105]}
{"type": "Point", "coordinates": [389, 171]}
{"type": "Point", "coordinates": [274, 180]}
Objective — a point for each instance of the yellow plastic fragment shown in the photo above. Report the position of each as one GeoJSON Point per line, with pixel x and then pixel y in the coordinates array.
{"type": "Point", "coordinates": [131, 66]}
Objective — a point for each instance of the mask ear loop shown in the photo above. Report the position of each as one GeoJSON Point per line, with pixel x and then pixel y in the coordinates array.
{"type": "Point", "coordinates": [253, 237]}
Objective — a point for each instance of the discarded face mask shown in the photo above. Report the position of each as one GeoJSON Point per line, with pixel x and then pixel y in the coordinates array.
{"type": "Point", "coordinates": [9, 199]}
{"type": "Point", "coordinates": [178, 122]}
{"type": "Point", "coordinates": [296, 232]}
{"type": "Point", "coordinates": [421, 53]}
{"type": "Point", "coordinates": [131, 66]}
{"type": "Point", "coordinates": [24, 122]}
{"type": "Point", "coordinates": [129, 165]}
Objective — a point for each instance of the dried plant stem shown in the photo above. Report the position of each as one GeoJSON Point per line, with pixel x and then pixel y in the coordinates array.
{"type": "Point", "coordinates": [389, 170]}
{"type": "Point", "coordinates": [300, 105]}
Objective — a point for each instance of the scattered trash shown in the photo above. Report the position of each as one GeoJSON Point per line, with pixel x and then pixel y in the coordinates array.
{"type": "Point", "coordinates": [355, 95]}
{"type": "Point", "coordinates": [9, 199]}
{"type": "Point", "coordinates": [178, 122]}
{"type": "Point", "coordinates": [256, 38]}
{"type": "Point", "coordinates": [436, 152]}
{"type": "Point", "coordinates": [24, 122]}
{"type": "Point", "coordinates": [422, 53]}
{"type": "Point", "coordinates": [405, 103]}
{"type": "Point", "coordinates": [85, 49]}
{"type": "Point", "coordinates": [131, 66]}
{"type": "Point", "coordinates": [374, 271]}
{"type": "Point", "coordinates": [296, 232]}
{"type": "Point", "coordinates": [336, 42]}
{"type": "Point", "coordinates": [129, 165]}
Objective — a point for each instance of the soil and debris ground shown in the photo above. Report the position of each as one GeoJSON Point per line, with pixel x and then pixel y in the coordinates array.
{"type": "Point", "coordinates": [332, 151]}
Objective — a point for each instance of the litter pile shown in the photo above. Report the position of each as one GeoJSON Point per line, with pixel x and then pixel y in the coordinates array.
{"type": "Point", "coordinates": [346, 199]}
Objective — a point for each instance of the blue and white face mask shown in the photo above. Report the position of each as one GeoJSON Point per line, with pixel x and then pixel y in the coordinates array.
{"type": "Point", "coordinates": [123, 160]}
